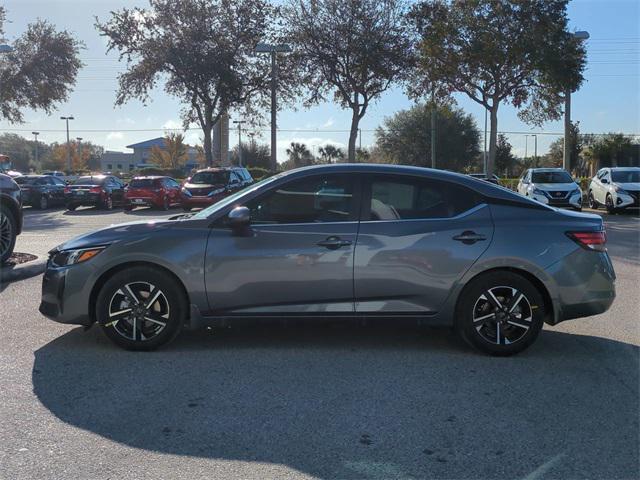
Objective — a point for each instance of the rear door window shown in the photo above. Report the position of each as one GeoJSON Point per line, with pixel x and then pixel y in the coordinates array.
{"type": "Point", "coordinates": [406, 198]}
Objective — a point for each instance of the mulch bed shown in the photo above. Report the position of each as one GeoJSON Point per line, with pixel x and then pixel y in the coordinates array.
{"type": "Point", "coordinates": [17, 258]}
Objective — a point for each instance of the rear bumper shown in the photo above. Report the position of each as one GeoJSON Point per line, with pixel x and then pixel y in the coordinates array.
{"type": "Point", "coordinates": [583, 285]}
{"type": "Point", "coordinates": [135, 200]}
{"type": "Point", "coordinates": [86, 199]}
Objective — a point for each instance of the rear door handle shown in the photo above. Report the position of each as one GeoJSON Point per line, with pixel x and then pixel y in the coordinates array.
{"type": "Point", "coordinates": [333, 243]}
{"type": "Point", "coordinates": [469, 237]}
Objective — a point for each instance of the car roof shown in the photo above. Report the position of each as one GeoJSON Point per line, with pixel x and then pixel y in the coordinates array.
{"type": "Point", "coordinates": [548, 169]}
{"type": "Point", "coordinates": [623, 169]}
{"type": "Point", "coordinates": [149, 177]}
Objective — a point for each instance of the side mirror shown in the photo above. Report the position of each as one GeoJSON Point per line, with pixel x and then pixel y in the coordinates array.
{"type": "Point", "coordinates": [239, 217]}
{"type": "Point", "coordinates": [604, 180]}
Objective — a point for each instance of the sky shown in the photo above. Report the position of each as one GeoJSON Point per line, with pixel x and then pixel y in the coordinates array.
{"type": "Point", "coordinates": [608, 101]}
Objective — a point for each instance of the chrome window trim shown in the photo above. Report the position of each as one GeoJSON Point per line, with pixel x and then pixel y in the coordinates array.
{"type": "Point", "coordinates": [435, 219]}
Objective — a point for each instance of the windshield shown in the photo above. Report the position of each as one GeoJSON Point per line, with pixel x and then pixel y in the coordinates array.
{"type": "Point", "coordinates": [89, 181]}
{"type": "Point", "coordinates": [626, 176]}
{"type": "Point", "coordinates": [234, 198]}
{"type": "Point", "coordinates": [25, 180]}
{"type": "Point", "coordinates": [210, 178]}
{"type": "Point", "coordinates": [551, 177]}
{"type": "Point", "coordinates": [142, 182]}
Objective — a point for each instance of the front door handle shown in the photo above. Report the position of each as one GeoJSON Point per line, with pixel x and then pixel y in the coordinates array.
{"type": "Point", "coordinates": [469, 237]}
{"type": "Point", "coordinates": [333, 243]}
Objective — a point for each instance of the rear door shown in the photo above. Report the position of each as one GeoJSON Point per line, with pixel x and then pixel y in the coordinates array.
{"type": "Point", "coordinates": [297, 256]}
{"type": "Point", "coordinates": [417, 237]}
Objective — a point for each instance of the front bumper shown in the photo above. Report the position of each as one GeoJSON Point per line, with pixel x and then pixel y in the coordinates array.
{"type": "Point", "coordinates": [195, 202]}
{"type": "Point", "coordinates": [573, 201]}
{"type": "Point", "coordinates": [628, 199]}
{"type": "Point", "coordinates": [64, 295]}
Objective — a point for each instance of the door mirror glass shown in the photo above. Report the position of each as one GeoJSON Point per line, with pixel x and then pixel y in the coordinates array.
{"type": "Point", "coordinates": [604, 180]}
{"type": "Point", "coordinates": [239, 217]}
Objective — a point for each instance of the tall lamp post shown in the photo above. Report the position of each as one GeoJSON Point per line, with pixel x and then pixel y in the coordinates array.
{"type": "Point", "coordinates": [273, 50]}
{"type": "Point", "coordinates": [239, 123]}
{"type": "Point", "coordinates": [68, 144]}
{"type": "Point", "coordinates": [35, 136]}
{"type": "Point", "coordinates": [535, 148]}
{"type": "Point", "coordinates": [579, 36]}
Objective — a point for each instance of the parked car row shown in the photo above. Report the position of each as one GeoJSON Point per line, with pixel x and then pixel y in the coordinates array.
{"type": "Point", "coordinates": [615, 188]}
{"type": "Point", "coordinates": [107, 191]}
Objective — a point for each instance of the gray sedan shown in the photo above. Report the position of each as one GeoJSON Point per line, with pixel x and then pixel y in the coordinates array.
{"type": "Point", "coordinates": [345, 241]}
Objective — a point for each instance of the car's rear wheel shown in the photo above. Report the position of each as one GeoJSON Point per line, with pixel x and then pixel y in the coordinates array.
{"type": "Point", "coordinates": [592, 201]}
{"type": "Point", "coordinates": [44, 202]}
{"type": "Point", "coordinates": [141, 308]}
{"type": "Point", "coordinates": [71, 206]}
{"type": "Point", "coordinates": [8, 229]}
{"type": "Point", "coordinates": [107, 203]}
{"type": "Point", "coordinates": [186, 209]}
{"type": "Point", "coordinates": [500, 313]}
{"type": "Point", "coordinates": [165, 203]}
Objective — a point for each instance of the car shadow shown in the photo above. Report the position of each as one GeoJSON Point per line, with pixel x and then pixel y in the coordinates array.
{"type": "Point", "coordinates": [350, 402]}
{"type": "Point", "coordinates": [92, 211]}
{"type": "Point", "coordinates": [153, 212]}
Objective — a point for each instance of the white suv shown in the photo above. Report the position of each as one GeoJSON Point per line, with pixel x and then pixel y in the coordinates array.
{"type": "Point", "coordinates": [552, 186]}
{"type": "Point", "coordinates": [616, 188]}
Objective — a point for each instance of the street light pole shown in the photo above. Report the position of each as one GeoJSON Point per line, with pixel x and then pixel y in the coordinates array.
{"type": "Point", "coordinates": [35, 135]}
{"type": "Point", "coordinates": [273, 50]}
{"type": "Point", "coordinates": [66, 119]}
{"type": "Point", "coordinates": [239, 123]}
{"type": "Point", "coordinates": [79, 147]}
{"type": "Point", "coordinates": [579, 36]}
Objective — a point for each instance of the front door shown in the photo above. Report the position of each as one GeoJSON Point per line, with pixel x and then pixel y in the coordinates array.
{"type": "Point", "coordinates": [296, 257]}
{"type": "Point", "coordinates": [417, 238]}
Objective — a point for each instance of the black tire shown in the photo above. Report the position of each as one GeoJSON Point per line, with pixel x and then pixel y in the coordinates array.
{"type": "Point", "coordinates": [609, 204]}
{"type": "Point", "coordinates": [186, 209]}
{"type": "Point", "coordinates": [165, 203]}
{"type": "Point", "coordinates": [128, 208]}
{"type": "Point", "coordinates": [8, 229]}
{"type": "Point", "coordinates": [107, 203]}
{"type": "Point", "coordinates": [593, 203]}
{"type": "Point", "coordinates": [134, 334]}
{"type": "Point", "coordinates": [577, 209]}
{"type": "Point", "coordinates": [498, 336]}
{"type": "Point", "coordinates": [43, 204]}
{"type": "Point", "coordinates": [71, 207]}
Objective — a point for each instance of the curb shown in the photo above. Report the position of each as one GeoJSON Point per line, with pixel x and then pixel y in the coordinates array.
{"type": "Point", "coordinates": [23, 271]}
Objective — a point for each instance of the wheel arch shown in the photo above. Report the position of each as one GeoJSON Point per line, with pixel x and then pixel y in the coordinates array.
{"type": "Point", "coordinates": [535, 281]}
{"type": "Point", "coordinates": [14, 208]}
{"type": "Point", "coordinates": [105, 276]}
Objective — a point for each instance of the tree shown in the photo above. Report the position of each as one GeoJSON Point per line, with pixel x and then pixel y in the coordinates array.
{"type": "Point", "coordinates": [405, 138]}
{"type": "Point", "coordinates": [554, 157]}
{"type": "Point", "coordinates": [203, 48]}
{"type": "Point", "coordinates": [501, 51]}
{"type": "Point", "coordinates": [253, 155]}
{"type": "Point", "coordinates": [506, 161]}
{"type": "Point", "coordinates": [354, 49]}
{"type": "Point", "coordinates": [18, 149]}
{"type": "Point", "coordinates": [298, 156]}
{"type": "Point", "coordinates": [614, 150]}
{"type": "Point", "coordinates": [40, 70]}
{"type": "Point", "coordinates": [331, 154]}
{"type": "Point", "coordinates": [174, 154]}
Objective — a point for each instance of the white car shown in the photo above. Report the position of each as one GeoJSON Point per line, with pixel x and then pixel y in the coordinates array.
{"type": "Point", "coordinates": [552, 186]}
{"type": "Point", "coordinates": [616, 188]}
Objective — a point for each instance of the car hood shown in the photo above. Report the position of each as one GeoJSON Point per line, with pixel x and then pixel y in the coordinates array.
{"type": "Point", "coordinates": [554, 187]}
{"type": "Point", "coordinates": [115, 233]}
{"type": "Point", "coordinates": [630, 187]}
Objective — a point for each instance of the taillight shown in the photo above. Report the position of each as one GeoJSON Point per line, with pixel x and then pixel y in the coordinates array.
{"type": "Point", "coordinates": [95, 189]}
{"type": "Point", "coordinates": [590, 240]}
{"type": "Point", "coordinates": [67, 189]}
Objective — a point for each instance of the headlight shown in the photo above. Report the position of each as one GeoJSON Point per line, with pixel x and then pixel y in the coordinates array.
{"type": "Point", "coordinates": [71, 257]}
{"type": "Point", "coordinates": [185, 191]}
{"type": "Point", "coordinates": [216, 192]}
{"type": "Point", "coordinates": [577, 191]}
{"type": "Point", "coordinates": [537, 191]}
{"type": "Point", "coordinates": [618, 189]}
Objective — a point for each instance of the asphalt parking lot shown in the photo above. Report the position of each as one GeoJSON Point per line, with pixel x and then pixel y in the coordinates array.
{"type": "Point", "coordinates": [316, 402]}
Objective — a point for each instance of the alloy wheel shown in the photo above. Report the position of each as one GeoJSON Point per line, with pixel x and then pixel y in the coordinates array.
{"type": "Point", "coordinates": [592, 201]}
{"type": "Point", "coordinates": [138, 311]}
{"type": "Point", "coordinates": [6, 233]}
{"type": "Point", "coordinates": [502, 315]}
{"type": "Point", "coordinates": [44, 202]}
{"type": "Point", "coordinates": [108, 203]}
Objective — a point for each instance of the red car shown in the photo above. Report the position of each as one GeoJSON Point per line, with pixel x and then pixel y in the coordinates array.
{"type": "Point", "coordinates": [159, 192]}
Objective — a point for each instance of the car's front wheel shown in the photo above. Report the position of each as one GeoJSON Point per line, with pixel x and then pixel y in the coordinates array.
{"type": "Point", "coordinates": [500, 313]}
{"type": "Point", "coordinates": [592, 201]}
{"type": "Point", "coordinates": [44, 202]}
{"type": "Point", "coordinates": [141, 308]}
{"type": "Point", "coordinates": [609, 203]}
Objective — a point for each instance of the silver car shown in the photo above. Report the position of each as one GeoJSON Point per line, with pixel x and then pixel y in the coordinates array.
{"type": "Point", "coordinates": [341, 241]}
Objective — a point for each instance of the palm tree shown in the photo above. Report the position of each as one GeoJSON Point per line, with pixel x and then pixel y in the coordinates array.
{"type": "Point", "coordinates": [331, 154]}
{"type": "Point", "coordinates": [299, 155]}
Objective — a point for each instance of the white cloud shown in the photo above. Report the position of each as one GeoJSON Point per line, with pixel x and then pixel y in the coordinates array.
{"type": "Point", "coordinates": [115, 136]}
{"type": "Point", "coordinates": [172, 125]}
{"type": "Point", "coordinates": [328, 123]}
{"type": "Point", "coordinates": [126, 121]}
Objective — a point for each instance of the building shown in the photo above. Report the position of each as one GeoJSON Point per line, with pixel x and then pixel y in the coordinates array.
{"type": "Point", "coordinates": [126, 162]}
